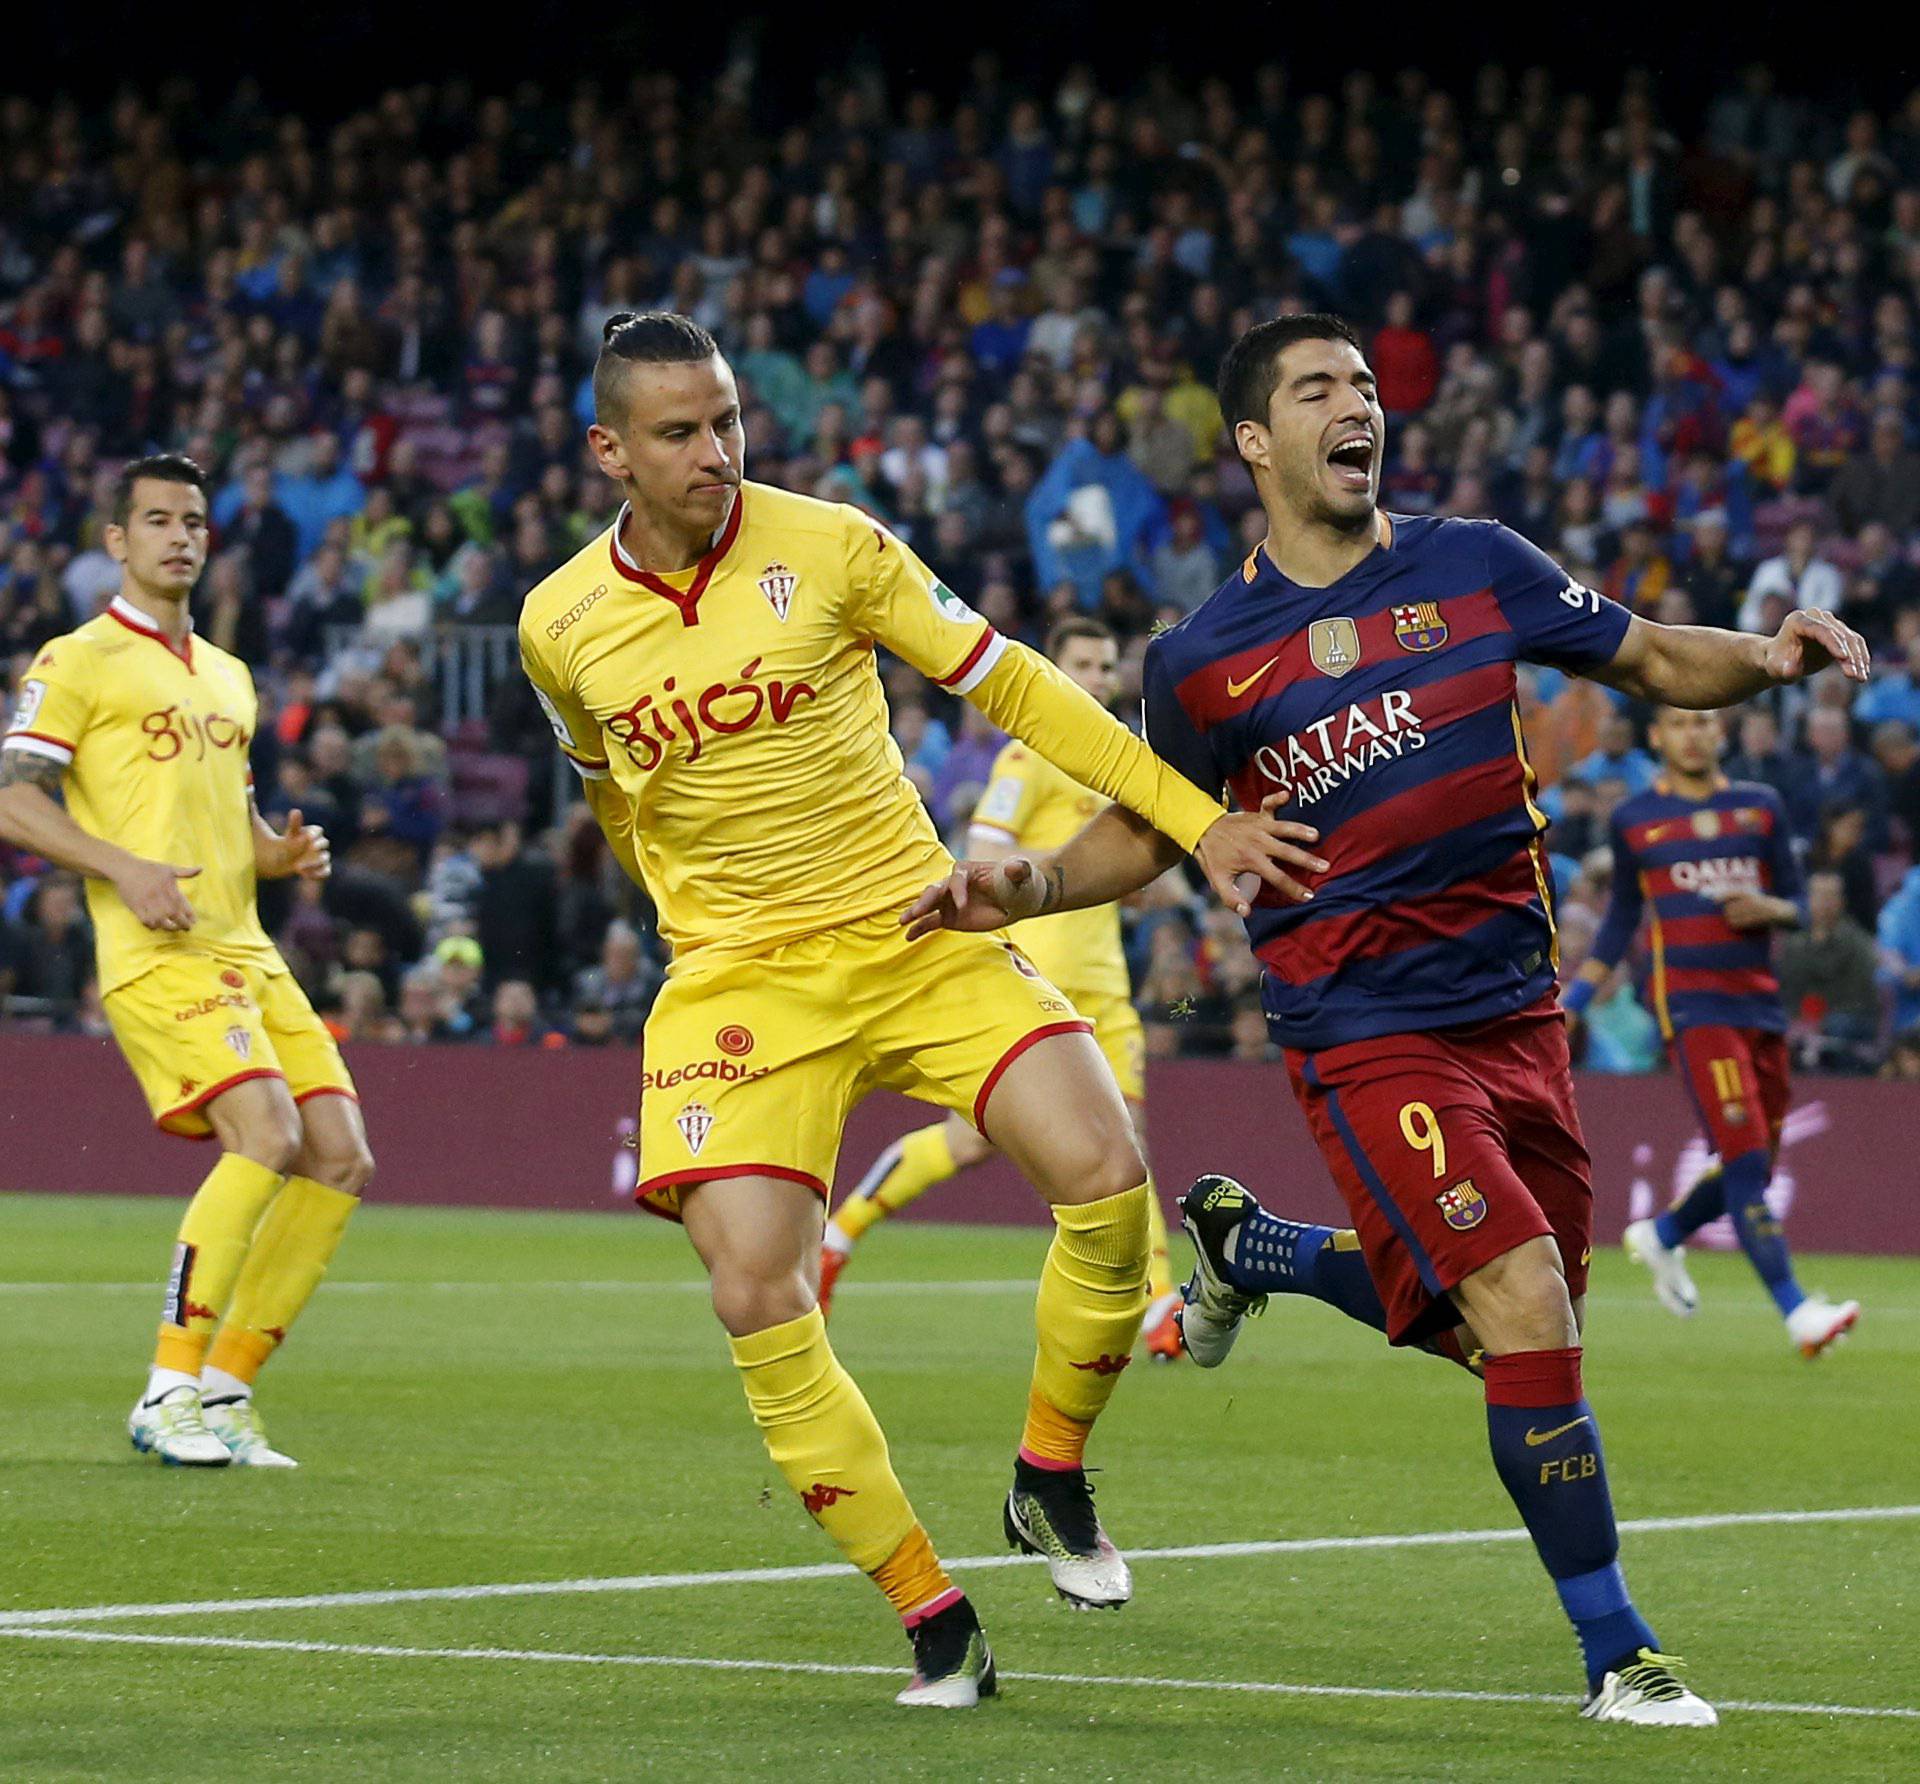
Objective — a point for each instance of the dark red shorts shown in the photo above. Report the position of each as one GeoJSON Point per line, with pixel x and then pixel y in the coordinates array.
{"type": "Point", "coordinates": [1452, 1148]}
{"type": "Point", "coordinates": [1740, 1084]}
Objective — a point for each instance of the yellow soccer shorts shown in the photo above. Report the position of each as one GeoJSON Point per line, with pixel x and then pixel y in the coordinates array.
{"type": "Point", "coordinates": [753, 1066]}
{"type": "Point", "coordinates": [193, 1026]}
{"type": "Point", "coordinates": [1121, 1037]}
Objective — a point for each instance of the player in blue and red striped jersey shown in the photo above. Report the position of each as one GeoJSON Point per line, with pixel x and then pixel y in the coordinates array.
{"type": "Point", "coordinates": [1361, 666]}
{"type": "Point", "coordinates": [1710, 863]}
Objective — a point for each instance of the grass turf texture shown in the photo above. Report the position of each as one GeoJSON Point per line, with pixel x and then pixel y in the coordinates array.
{"type": "Point", "coordinates": [483, 1397]}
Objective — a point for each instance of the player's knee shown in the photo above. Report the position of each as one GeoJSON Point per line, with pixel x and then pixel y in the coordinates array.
{"type": "Point", "coordinates": [1534, 1309]}
{"type": "Point", "coordinates": [1110, 1165]}
{"type": "Point", "coordinates": [349, 1170]}
{"type": "Point", "coordinates": [745, 1301]}
{"type": "Point", "coordinates": [271, 1138]}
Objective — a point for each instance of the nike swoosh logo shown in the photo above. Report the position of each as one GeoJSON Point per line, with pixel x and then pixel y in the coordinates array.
{"type": "Point", "coordinates": [1536, 1438]}
{"type": "Point", "coordinates": [1236, 688]}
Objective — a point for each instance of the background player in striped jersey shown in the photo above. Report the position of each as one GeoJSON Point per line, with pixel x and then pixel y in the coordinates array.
{"type": "Point", "coordinates": [708, 665]}
{"type": "Point", "coordinates": [1030, 804]}
{"type": "Point", "coordinates": [1361, 666]}
{"type": "Point", "coordinates": [1709, 863]}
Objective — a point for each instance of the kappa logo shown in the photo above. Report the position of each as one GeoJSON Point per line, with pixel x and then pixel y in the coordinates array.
{"type": "Point", "coordinates": [240, 1041]}
{"type": "Point", "coordinates": [823, 1494]}
{"type": "Point", "coordinates": [695, 1122]}
{"type": "Point", "coordinates": [574, 613]}
{"type": "Point", "coordinates": [1462, 1207]}
{"type": "Point", "coordinates": [1419, 626]}
{"type": "Point", "coordinates": [1105, 1365]}
{"type": "Point", "coordinates": [777, 583]}
{"type": "Point", "coordinates": [188, 1086]}
{"type": "Point", "coordinates": [1334, 645]}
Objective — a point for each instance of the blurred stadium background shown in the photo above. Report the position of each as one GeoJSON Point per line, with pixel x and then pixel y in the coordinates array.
{"type": "Point", "coordinates": [1663, 324]}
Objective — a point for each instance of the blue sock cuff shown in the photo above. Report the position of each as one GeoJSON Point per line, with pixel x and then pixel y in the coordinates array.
{"type": "Point", "coordinates": [1601, 1593]}
{"type": "Point", "coordinates": [1667, 1230]}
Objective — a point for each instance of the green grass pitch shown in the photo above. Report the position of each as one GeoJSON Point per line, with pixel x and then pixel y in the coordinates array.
{"type": "Point", "coordinates": [490, 1398]}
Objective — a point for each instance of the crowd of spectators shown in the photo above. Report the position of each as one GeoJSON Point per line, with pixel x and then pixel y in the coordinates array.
{"type": "Point", "coordinates": [1682, 353]}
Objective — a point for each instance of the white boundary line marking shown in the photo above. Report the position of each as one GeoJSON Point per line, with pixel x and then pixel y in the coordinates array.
{"type": "Point", "coordinates": [817, 1668]}
{"type": "Point", "coordinates": [1000, 1285]}
{"type": "Point", "coordinates": [763, 1576]}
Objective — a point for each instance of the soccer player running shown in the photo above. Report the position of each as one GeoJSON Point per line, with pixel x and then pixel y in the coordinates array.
{"type": "Point", "coordinates": [1362, 665]}
{"type": "Point", "coordinates": [708, 665]}
{"type": "Point", "coordinates": [144, 729]}
{"type": "Point", "coordinates": [1030, 804]}
{"type": "Point", "coordinates": [1711, 862]}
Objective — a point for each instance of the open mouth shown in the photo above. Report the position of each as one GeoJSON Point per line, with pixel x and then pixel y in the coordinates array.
{"type": "Point", "coordinates": [1352, 461]}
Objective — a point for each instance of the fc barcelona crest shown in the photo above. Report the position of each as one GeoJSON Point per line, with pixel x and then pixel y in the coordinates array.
{"type": "Point", "coordinates": [1420, 626]}
{"type": "Point", "coordinates": [1462, 1207]}
{"type": "Point", "coordinates": [1334, 645]}
{"type": "Point", "coordinates": [777, 583]}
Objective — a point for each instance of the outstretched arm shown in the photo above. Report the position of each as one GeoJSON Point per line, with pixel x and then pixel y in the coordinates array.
{"type": "Point", "coordinates": [1028, 696]}
{"type": "Point", "coordinates": [32, 818]}
{"type": "Point", "coordinates": [1703, 667]}
{"type": "Point", "coordinates": [1617, 930]}
{"type": "Point", "coordinates": [1117, 852]}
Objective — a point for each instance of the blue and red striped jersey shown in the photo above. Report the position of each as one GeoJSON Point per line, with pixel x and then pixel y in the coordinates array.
{"type": "Point", "coordinates": [1384, 703]}
{"type": "Point", "coordinates": [1676, 859]}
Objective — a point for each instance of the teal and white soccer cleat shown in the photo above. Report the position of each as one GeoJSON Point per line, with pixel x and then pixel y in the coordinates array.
{"type": "Point", "coordinates": [172, 1426]}
{"type": "Point", "coordinates": [238, 1426]}
{"type": "Point", "coordinates": [1647, 1691]}
{"type": "Point", "coordinates": [1817, 1323]}
{"type": "Point", "coordinates": [1050, 1513]}
{"type": "Point", "coordinates": [1210, 1321]}
{"type": "Point", "coordinates": [1671, 1283]}
{"type": "Point", "coordinates": [952, 1664]}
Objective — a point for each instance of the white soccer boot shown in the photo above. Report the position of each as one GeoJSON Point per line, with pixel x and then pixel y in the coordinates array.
{"type": "Point", "coordinates": [1817, 1323]}
{"type": "Point", "coordinates": [1669, 1266]}
{"type": "Point", "coordinates": [173, 1427]}
{"type": "Point", "coordinates": [1646, 1691]}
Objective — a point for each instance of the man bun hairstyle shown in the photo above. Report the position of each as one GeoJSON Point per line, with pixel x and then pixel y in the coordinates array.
{"type": "Point", "coordinates": [643, 337]}
{"type": "Point", "coordinates": [1252, 365]}
{"type": "Point", "coordinates": [160, 467]}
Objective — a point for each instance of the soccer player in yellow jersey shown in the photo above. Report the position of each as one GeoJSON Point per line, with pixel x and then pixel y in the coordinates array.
{"type": "Point", "coordinates": [144, 728]}
{"type": "Point", "coordinates": [708, 665]}
{"type": "Point", "coordinates": [1030, 804]}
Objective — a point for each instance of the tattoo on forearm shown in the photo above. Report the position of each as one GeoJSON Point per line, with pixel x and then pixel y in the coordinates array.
{"type": "Point", "coordinates": [1053, 887]}
{"type": "Point", "coordinates": [33, 769]}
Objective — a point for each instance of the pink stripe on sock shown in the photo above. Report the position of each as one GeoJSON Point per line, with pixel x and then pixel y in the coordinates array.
{"type": "Point", "coordinates": [1047, 1462]}
{"type": "Point", "coordinates": [932, 1608]}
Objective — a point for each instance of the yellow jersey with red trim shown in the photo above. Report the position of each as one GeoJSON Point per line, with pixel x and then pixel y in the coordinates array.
{"type": "Point", "coordinates": [1030, 804]}
{"type": "Point", "coordinates": [153, 741]}
{"type": "Point", "coordinates": [737, 709]}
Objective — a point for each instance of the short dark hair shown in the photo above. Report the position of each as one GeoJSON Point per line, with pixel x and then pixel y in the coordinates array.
{"type": "Point", "coordinates": [1078, 625]}
{"type": "Point", "coordinates": [1252, 365]}
{"type": "Point", "coordinates": [645, 337]}
{"type": "Point", "coordinates": [161, 467]}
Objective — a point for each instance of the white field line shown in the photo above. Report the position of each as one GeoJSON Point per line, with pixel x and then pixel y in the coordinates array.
{"type": "Point", "coordinates": [766, 1576]}
{"type": "Point", "coordinates": [816, 1668]}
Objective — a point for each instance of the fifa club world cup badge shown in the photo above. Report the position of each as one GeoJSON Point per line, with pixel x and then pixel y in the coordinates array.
{"type": "Point", "coordinates": [1334, 645]}
{"type": "Point", "coordinates": [695, 1122]}
{"type": "Point", "coordinates": [1462, 1207]}
{"type": "Point", "coordinates": [777, 583]}
{"type": "Point", "coordinates": [1420, 626]}
{"type": "Point", "coordinates": [1706, 825]}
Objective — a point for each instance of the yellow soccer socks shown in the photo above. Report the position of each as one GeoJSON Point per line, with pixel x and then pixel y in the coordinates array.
{"type": "Point", "coordinates": [1093, 1291]}
{"type": "Point", "coordinates": [908, 1168]}
{"type": "Point", "coordinates": [824, 1439]}
{"type": "Point", "coordinates": [1159, 1260]}
{"type": "Point", "coordinates": [212, 1246]}
{"type": "Point", "coordinates": [290, 1253]}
